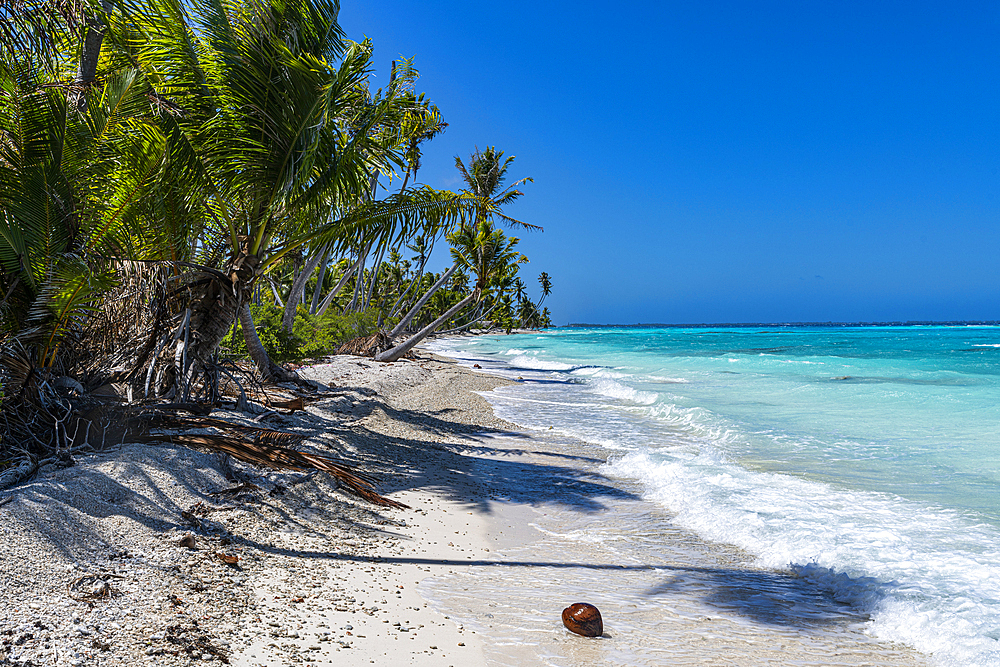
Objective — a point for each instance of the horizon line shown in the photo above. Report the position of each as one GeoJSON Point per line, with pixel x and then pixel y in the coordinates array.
{"type": "Point", "coordinates": [734, 325]}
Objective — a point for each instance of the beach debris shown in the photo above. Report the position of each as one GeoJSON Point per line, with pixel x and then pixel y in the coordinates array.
{"type": "Point", "coordinates": [91, 587]}
{"type": "Point", "coordinates": [366, 346]}
{"type": "Point", "coordinates": [187, 540]}
{"type": "Point", "coordinates": [191, 518]}
{"type": "Point", "coordinates": [195, 643]}
{"type": "Point", "coordinates": [228, 559]}
{"type": "Point", "coordinates": [247, 489]}
{"type": "Point", "coordinates": [264, 450]}
{"type": "Point", "coordinates": [291, 404]}
{"type": "Point", "coordinates": [583, 619]}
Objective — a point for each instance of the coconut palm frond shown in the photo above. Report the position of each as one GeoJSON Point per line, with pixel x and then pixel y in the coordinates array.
{"type": "Point", "coordinates": [280, 458]}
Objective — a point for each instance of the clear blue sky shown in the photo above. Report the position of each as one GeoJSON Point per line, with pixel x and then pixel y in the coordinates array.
{"type": "Point", "coordinates": [727, 162]}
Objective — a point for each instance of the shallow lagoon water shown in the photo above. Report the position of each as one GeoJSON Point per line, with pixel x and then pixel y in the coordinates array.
{"type": "Point", "coordinates": [861, 461]}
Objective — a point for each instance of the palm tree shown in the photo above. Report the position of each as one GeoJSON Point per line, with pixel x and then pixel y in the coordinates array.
{"type": "Point", "coordinates": [283, 142]}
{"type": "Point", "coordinates": [486, 253]}
{"type": "Point", "coordinates": [546, 282]}
{"type": "Point", "coordinates": [484, 178]}
{"type": "Point", "coordinates": [71, 187]}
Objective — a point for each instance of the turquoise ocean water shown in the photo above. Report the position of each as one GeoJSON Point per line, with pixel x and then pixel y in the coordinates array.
{"type": "Point", "coordinates": [866, 459]}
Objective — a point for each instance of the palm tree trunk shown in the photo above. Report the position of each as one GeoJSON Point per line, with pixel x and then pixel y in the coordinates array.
{"type": "Point", "coordinates": [416, 279]}
{"type": "Point", "coordinates": [336, 290]}
{"type": "Point", "coordinates": [476, 319]}
{"type": "Point", "coordinates": [404, 347]}
{"type": "Point", "coordinates": [267, 368]}
{"type": "Point", "coordinates": [376, 268]}
{"type": "Point", "coordinates": [359, 280]}
{"type": "Point", "coordinates": [405, 322]}
{"type": "Point", "coordinates": [297, 292]}
{"type": "Point", "coordinates": [90, 54]}
{"type": "Point", "coordinates": [319, 282]}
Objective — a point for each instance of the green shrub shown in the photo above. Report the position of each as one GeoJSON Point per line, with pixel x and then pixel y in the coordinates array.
{"type": "Point", "coordinates": [320, 336]}
{"type": "Point", "coordinates": [311, 336]}
{"type": "Point", "coordinates": [280, 345]}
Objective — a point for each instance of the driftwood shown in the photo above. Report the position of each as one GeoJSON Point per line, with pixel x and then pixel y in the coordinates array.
{"type": "Point", "coordinates": [16, 474]}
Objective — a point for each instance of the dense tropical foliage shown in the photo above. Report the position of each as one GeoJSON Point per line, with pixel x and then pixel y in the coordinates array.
{"type": "Point", "coordinates": [185, 181]}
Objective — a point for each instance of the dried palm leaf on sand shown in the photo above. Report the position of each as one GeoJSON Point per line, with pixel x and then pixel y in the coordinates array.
{"type": "Point", "coordinates": [278, 458]}
{"type": "Point", "coordinates": [366, 346]}
{"type": "Point", "coordinates": [259, 434]}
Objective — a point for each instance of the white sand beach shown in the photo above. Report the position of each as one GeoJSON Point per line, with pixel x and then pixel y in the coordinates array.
{"type": "Point", "coordinates": [95, 572]}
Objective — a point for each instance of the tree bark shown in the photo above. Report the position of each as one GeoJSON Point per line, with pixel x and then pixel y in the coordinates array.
{"type": "Point", "coordinates": [90, 55]}
{"type": "Point", "coordinates": [405, 322]}
{"type": "Point", "coordinates": [401, 349]}
{"type": "Point", "coordinates": [376, 268]}
{"type": "Point", "coordinates": [358, 280]}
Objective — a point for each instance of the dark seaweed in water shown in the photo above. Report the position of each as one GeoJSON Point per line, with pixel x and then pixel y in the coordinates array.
{"type": "Point", "coordinates": [941, 382]}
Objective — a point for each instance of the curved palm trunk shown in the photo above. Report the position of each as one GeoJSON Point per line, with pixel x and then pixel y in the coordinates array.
{"type": "Point", "coordinates": [184, 347]}
{"type": "Point", "coordinates": [211, 314]}
{"type": "Point", "coordinates": [416, 279]}
{"type": "Point", "coordinates": [298, 290]}
{"type": "Point", "coordinates": [212, 317]}
{"type": "Point", "coordinates": [267, 368]}
{"type": "Point", "coordinates": [336, 290]}
{"type": "Point", "coordinates": [405, 322]}
{"type": "Point", "coordinates": [404, 347]}
{"type": "Point", "coordinates": [376, 269]}
{"type": "Point", "coordinates": [319, 283]}
{"type": "Point", "coordinates": [476, 320]}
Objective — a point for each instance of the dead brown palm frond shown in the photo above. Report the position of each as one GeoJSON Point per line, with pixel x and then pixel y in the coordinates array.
{"type": "Point", "coordinates": [259, 434]}
{"type": "Point", "coordinates": [367, 346]}
{"type": "Point", "coordinates": [278, 458]}
{"type": "Point", "coordinates": [16, 366]}
{"type": "Point", "coordinates": [292, 404]}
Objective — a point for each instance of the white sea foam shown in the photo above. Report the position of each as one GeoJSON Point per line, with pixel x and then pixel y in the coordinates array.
{"type": "Point", "coordinates": [534, 363]}
{"type": "Point", "coordinates": [598, 371]}
{"type": "Point", "coordinates": [613, 389]}
{"type": "Point", "coordinates": [925, 575]}
{"type": "Point", "coordinates": [667, 380]}
{"type": "Point", "coordinates": [584, 535]}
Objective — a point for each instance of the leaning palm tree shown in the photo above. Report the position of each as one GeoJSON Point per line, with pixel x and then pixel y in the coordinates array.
{"type": "Point", "coordinates": [486, 253]}
{"type": "Point", "coordinates": [278, 131]}
{"type": "Point", "coordinates": [546, 284]}
{"type": "Point", "coordinates": [484, 178]}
